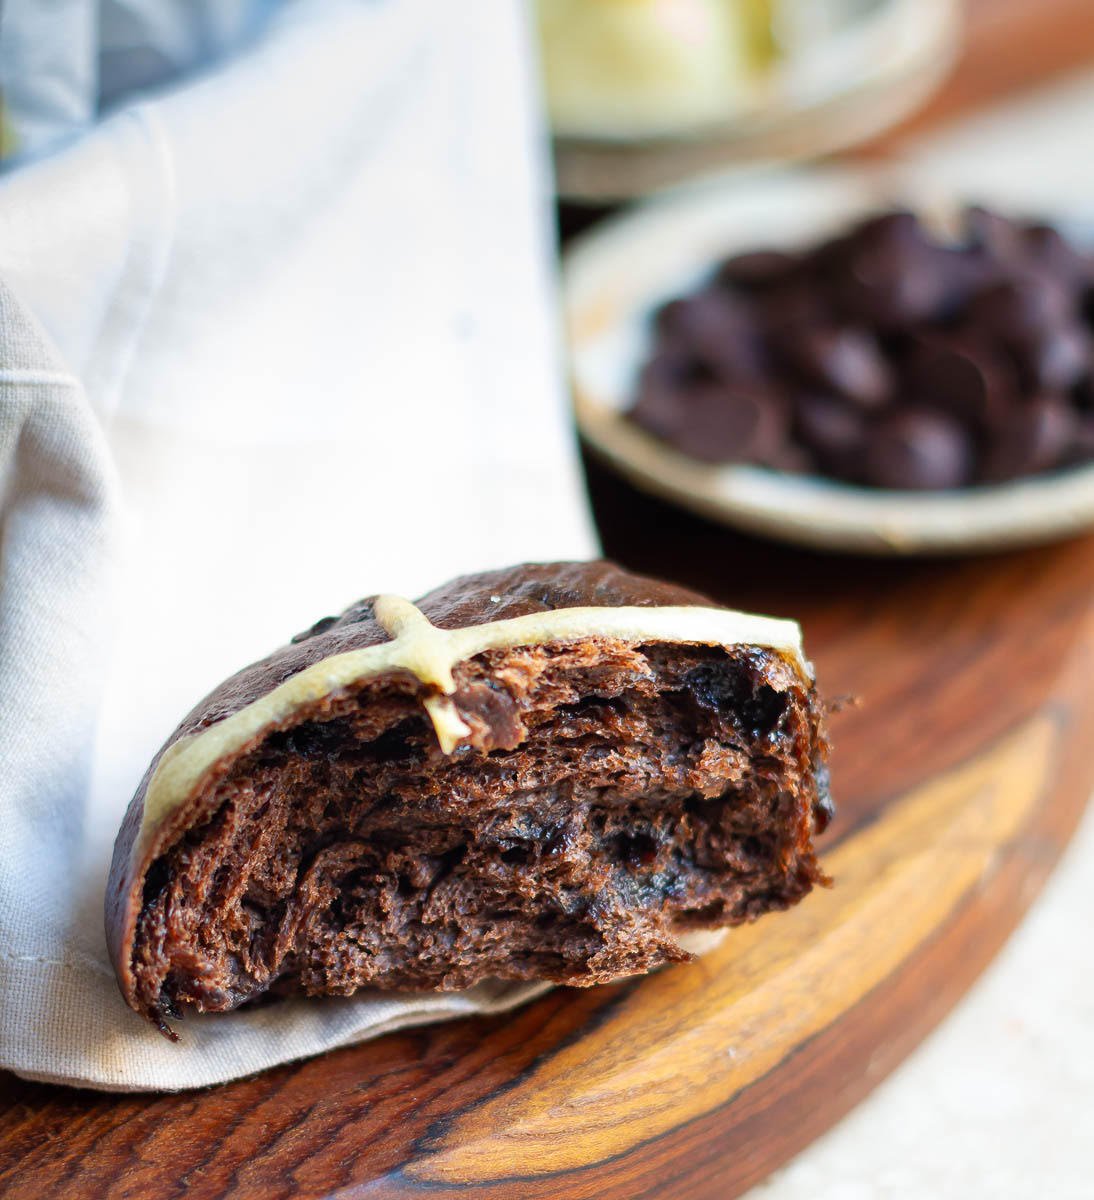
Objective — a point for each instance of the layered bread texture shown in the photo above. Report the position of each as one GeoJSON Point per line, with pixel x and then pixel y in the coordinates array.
{"type": "Point", "coordinates": [526, 775]}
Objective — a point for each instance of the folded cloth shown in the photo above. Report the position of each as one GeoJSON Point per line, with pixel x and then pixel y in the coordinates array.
{"type": "Point", "coordinates": [64, 62]}
{"type": "Point", "coordinates": [269, 341]}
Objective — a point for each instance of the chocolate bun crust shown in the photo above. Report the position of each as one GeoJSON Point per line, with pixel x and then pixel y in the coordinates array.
{"type": "Point", "coordinates": [560, 797]}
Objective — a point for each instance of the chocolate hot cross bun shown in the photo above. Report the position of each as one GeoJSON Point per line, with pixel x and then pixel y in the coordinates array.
{"type": "Point", "coordinates": [560, 772]}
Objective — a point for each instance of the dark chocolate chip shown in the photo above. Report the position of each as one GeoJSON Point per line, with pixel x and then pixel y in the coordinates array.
{"type": "Point", "coordinates": [962, 274]}
{"type": "Point", "coordinates": [757, 707]}
{"type": "Point", "coordinates": [919, 450]}
{"type": "Point", "coordinates": [312, 739]}
{"type": "Point", "coordinates": [821, 260]}
{"type": "Point", "coordinates": [1082, 439]}
{"type": "Point", "coordinates": [882, 288]}
{"type": "Point", "coordinates": [830, 427]}
{"type": "Point", "coordinates": [700, 318]}
{"type": "Point", "coordinates": [724, 425]}
{"type": "Point", "coordinates": [671, 317]}
{"type": "Point", "coordinates": [756, 270]}
{"type": "Point", "coordinates": [1085, 302]}
{"type": "Point", "coordinates": [960, 378]}
{"type": "Point", "coordinates": [900, 227]}
{"type": "Point", "coordinates": [1082, 393]}
{"type": "Point", "coordinates": [785, 311]}
{"type": "Point", "coordinates": [763, 711]}
{"type": "Point", "coordinates": [1021, 308]}
{"type": "Point", "coordinates": [1036, 439]}
{"type": "Point", "coordinates": [716, 331]}
{"type": "Point", "coordinates": [719, 687]}
{"type": "Point", "coordinates": [1000, 236]}
{"type": "Point", "coordinates": [1057, 359]}
{"type": "Point", "coordinates": [847, 361]}
{"type": "Point", "coordinates": [1051, 251]}
{"type": "Point", "coordinates": [664, 380]}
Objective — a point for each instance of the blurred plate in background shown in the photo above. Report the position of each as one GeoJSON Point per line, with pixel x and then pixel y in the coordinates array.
{"type": "Point", "coordinates": [616, 276]}
{"type": "Point", "coordinates": [643, 96]}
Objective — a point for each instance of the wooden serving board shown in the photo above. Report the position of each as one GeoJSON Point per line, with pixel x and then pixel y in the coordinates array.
{"type": "Point", "coordinates": [959, 773]}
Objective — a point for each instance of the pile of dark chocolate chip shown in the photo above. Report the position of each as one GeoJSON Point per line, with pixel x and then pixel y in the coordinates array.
{"type": "Point", "coordinates": [889, 356]}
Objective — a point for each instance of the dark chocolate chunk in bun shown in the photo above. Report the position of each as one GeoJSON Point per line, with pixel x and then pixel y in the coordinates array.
{"type": "Point", "coordinates": [556, 771]}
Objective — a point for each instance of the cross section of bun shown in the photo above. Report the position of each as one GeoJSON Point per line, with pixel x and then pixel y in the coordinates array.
{"type": "Point", "coordinates": [560, 772]}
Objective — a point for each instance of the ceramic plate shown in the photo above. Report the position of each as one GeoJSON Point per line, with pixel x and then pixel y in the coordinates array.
{"type": "Point", "coordinates": [844, 89]}
{"type": "Point", "coordinates": [616, 276]}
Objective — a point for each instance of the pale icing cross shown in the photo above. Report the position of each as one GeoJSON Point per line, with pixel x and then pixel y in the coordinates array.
{"type": "Point", "coordinates": [429, 653]}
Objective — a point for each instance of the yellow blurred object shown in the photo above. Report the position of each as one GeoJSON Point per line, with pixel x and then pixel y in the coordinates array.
{"type": "Point", "coordinates": [758, 22]}
{"type": "Point", "coordinates": [645, 68]}
{"type": "Point", "coordinates": [8, 142]}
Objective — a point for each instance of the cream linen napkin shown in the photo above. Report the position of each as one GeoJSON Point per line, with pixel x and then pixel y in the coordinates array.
{"type": "Point", "coordinates": [298, 348]}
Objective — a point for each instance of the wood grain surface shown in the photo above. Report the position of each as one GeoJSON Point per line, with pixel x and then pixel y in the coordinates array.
{"type": "Point", "coordinates": [960, 772]}
{"type": "Point", "coordinates": [1010, 46]}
